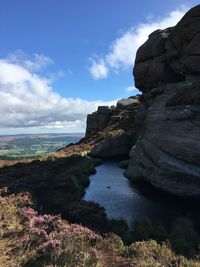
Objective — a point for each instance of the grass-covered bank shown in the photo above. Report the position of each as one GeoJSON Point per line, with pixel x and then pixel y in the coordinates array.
{"type": "Point", "coordinates": [57, 186]}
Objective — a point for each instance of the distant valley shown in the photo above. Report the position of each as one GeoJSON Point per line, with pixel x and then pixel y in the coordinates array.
{"type": "Point", "coordinates": [34, 145]}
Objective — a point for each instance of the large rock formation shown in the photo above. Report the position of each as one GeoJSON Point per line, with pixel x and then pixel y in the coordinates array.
{"type": "Point", "coordinates": [170, 55]}
{"type": "Point", "coordinates": [167, 71]}
{"type": "Point", "coordinates": [113, 146]}
{"type": "Point", "coordinates": [98, 120]}
{"type": "Point", "coordinates": [115, 129]}
{"type": "Point", "coordinates": [159, 129]}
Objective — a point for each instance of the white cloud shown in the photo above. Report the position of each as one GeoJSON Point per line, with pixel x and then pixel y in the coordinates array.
{"type": "Point", "coordinates": [36, 62]}
{"type": "Point", "coordinates": [98, 69]}
{"type": "Point", "coordinates": [28, 101]}
{"type": "Point", "coordinates": [122, 51]}
{"type": "Point", "coordinates": [130, 88]}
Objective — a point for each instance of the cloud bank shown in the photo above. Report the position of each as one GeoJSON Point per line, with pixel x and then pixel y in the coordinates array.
{"type": "Point", "coordinates": [28, 100]}
{"type": "Point", "coordinates": [121, 53]}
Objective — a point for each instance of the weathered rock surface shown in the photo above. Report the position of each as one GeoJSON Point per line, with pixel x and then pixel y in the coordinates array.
{"type": "Point", "coordinates": [167, 154]}
{"type": "Point", "coordinates": [167, 70]}
{"type": "Point", "coordinates": [115, 130]}
{"type": "Point", "coordinates": [114, 146]}
{"type": "Point", "coordinates": [170, 55]}
{"type": "Point", "coordinates": [127, 103]}
{"type": "Point", "coordinates": [151, 66]}
{"type": "Point", "coordinates": [98, 120]}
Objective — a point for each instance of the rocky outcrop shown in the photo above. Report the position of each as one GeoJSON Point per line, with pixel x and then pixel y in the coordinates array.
{"type": "Point", "coordinates": [167, 71]}
{"type": "Point", "coordinates": [160, 129]}
{"type": "Point", "coordinates": [114, 146]}
{"type": "Point", "coordinates": [128, 112]}
{"type": "Point", "coordinates": [128, 103]}
{"type": "Point", "coordinates": [114, 130]}
{"type": "Point", "coordinates": [167, 154]}
{"type": "Point", "coordinates": [151, 65]}
{"type": "Point", "coordinates": [170, 55]}
{"type": "Point", "coordinates": [98, 120]}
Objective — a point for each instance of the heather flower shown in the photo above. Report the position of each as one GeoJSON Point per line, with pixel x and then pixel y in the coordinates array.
{"type": "Point", "coordinates": [57, 240]}
{"type": "Point", "coordinates": [28, 213]}
{"type": "Point", "coordinates": [51, 244]}
{"type": "Point", "coordinates": [37, 231]}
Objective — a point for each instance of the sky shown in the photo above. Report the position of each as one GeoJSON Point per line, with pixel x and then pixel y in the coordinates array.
{"type": "Point", "coordinates": [60, 60]}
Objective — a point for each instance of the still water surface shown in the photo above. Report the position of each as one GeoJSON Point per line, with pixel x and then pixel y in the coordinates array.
{"type": "Point", "coordinates": [124, 199]}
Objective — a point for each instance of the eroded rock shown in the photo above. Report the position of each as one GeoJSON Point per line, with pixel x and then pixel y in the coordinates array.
{"type": "Point", "coordinates": [167, 154]}
{"type": "Point", "coordinates": [114, 146]}
{"type": "Point", "coordinates": [170, 55]}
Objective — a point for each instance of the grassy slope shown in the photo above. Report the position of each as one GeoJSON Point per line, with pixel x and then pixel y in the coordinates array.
{"type": "Point", "coordinates": [28, 239]}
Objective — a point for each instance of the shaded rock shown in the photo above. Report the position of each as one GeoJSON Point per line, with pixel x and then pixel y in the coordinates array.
{"type": "Point", "coordinates": [167, 70]}
{"type": "Point", "coordinates": [127, 116]}
{"type": "Point", "coordinates": [170, 55]}
{"type": "Point", "coordinates": [123, 164]}
{"type": "Point", "coordinates": [127, 103]}
{"type": "Point", "coordinates": [167, 154]}
{"type": "Point", "coordinates": [104, 110]}
{"type": "Point", "coordinates": [98, 120]}
{"type": "Point", "coordinates": [115, 146]}
{"type": "Point", "coordinates": [185, 41]}
{"type": "Point", "coordinates": [151, 67]}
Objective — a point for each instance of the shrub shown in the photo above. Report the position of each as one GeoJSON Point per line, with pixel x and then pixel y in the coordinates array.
{"type": "Point", "coordinates": [142, 229]}
{"type": "Point", "coordinates": [160, 233]}
{"type": "Point", "coordinates": [151, 254]}
{"type": "Point", "coordinates": [183, 237]}
{"type": "Point", "coordinates": [120, 228]}
{"type": "Point", "coordinates": [88, 213]}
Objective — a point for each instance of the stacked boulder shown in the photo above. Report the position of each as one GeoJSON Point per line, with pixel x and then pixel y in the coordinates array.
{"type": "Point", "coordinates": [167, 71]}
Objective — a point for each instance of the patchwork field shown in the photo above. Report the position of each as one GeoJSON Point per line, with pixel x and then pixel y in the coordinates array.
{"type": "Point", "coordinates": [33, 146]}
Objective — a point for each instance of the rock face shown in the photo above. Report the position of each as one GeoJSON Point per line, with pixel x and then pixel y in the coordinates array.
{"type": "Point", "coordinates": [115, 130]}
{"type": "Point", "coordinates": [151, 65]}
{"type": "Point", "coordinates": [118, 145]}
{"type": "Point", "coordinates": [127, 103]}
{"type": "Point", "coordinates": [167, 154]}
{"type": "Point", "coordinates": [167, 71]}
{"type": "Point", "coordinates": [163, 125]}
{"type": "Point", "coordinates": [98, 120]}
{"type": "Point", "coordinates": [170, 55]}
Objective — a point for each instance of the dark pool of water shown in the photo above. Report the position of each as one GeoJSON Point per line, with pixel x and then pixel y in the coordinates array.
{"type": "Point", "coordinates": [130, 201]}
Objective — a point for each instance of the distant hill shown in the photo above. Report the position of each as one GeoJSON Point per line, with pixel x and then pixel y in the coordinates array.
{"type": "Point", "coordinates": [24, 146]}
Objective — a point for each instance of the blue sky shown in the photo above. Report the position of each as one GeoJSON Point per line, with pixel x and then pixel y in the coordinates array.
{"type": "Point", "coordinates": [71, 55]}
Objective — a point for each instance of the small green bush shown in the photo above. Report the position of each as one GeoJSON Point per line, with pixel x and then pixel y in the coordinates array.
{"type": "Point", "coordinates": [184, 238]}
{"type": "Point", "coordinates": [142, 229]}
